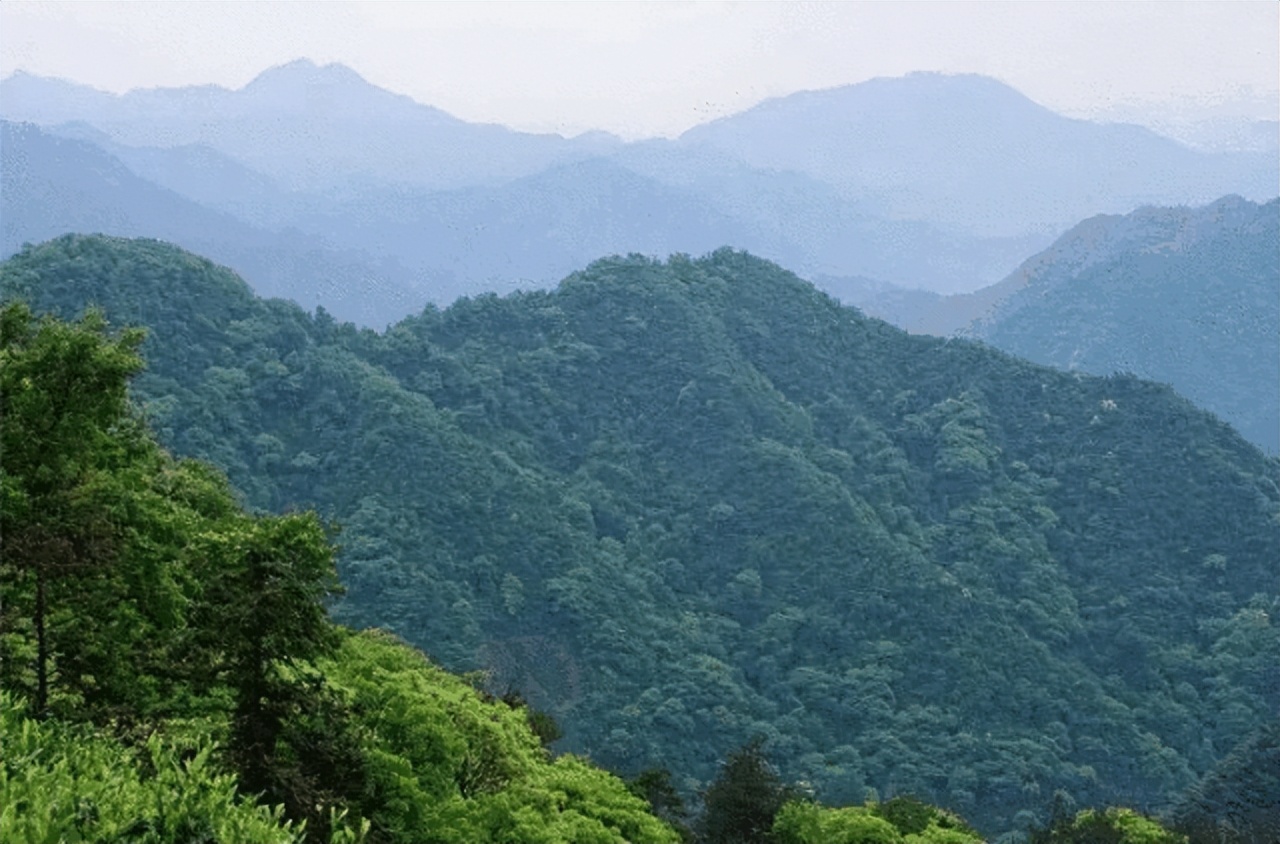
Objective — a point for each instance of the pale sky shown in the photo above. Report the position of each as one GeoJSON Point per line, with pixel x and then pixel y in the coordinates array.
{"type": "Point", "coordinates": [645, 69]}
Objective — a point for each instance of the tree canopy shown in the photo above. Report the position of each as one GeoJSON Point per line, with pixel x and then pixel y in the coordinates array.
{"type": "Point", "coordinates": [679, 504]}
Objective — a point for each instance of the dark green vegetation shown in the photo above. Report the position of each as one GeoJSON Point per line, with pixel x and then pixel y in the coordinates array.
{"type": "Point", "coordinates": [145, 619]}
{"type": "Point", "coordinates": [682, 504]}
{"type": "Point", "coordinates": [1236, 803]}
{"type": "Point", "coordinates": [1188, 297]}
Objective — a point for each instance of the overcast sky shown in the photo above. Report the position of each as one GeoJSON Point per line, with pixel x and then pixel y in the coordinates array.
{"type": "Point", "coordinates": [641, 69]}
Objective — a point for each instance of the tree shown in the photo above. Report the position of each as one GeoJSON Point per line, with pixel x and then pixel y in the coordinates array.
{"type": "Point", "coordinates": [1115, 825]}
{"type": "Point", "coordinates": [655, 786]}
{"type": "Point", "coordinates": [63, 402]}
{"type": "Point", "coordinates": [263, 618]}
{"type": "Point", "coordinates": [1236, 802]}
{"type": "Point", "coordinates": [742, 802]}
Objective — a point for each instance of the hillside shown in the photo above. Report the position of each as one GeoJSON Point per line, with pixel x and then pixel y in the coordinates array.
{"type": "Point", "coordinates": [682, 503]}
{"type": "Point", "coordinates": [1186, 296]}
{"type": "Point", "coordinates": [169, 673]}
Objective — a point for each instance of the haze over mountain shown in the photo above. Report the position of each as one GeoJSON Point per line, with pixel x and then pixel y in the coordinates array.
{"type": "Point", "coordinates": [936, 182]}
{"type": "Point", "coordinates": [51, 185]}
{"type": "Point", "coordinates": [683, 503]}
{"type": "Point", "coordinates": [972, 153]}
{"type": "Point", "coordinates": [305, 125]}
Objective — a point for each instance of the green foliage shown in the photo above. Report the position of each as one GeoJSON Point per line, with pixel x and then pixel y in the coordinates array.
{"type": "Point", "coordinates": [60, 783]}
{"type": "Point", "coordinates": [265, 582]}
{"type": "Point", "coordinates": [1186, 297]}
{"type": "Point", "coordinates": [198, 620]}
{"type": "Point", "coordinates": [681, 504]}
{"type": "Point", "coordinates": [898, 821]}
{"type": "Point", "coordinates": [740, 806]}
{"type": "Point", "coordinates": [445, 764]}
{"type": "Point", "coordinates": [1236, 802]}
{"type": "Point", "coordinates": [1113, 826]}
{"type": "Point", "coordinates": [62, 388]}
{"type": "Point", "coordinates": [656, 787]}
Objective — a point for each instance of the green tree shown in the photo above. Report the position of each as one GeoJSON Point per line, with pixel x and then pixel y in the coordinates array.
{"type": "Point", "coordinates": [742, 802]}
{"type": "Point", "coordinates": [1115, 825]}
{"type": "Point", "coordinates": [655, 786]}
{"type": "Point", "coordinates": [263, 615]}
{"type": "Point", "coordinates": [62, 393]}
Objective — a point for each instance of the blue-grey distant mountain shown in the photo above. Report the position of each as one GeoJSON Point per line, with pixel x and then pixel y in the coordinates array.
{"type": "Point", "coordinates": [532, 231]}
{"type": "Point", "coordinates": [1187, 296]}
{"type": "Point", "coordinates": [51, 185]}
{"type": "Point", "coordinates": [200, 173]}
{"type": "Point", "coordinates": [812, 226]}
{"type": "Point", "coordinates": [970, 152]}
{"type": "Point", "coordinates": [305, 126]}
{"type": "Point", "coordinates": [927, 182]}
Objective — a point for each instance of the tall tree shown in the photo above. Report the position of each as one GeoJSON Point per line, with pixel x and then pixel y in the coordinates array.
{"type": "Point", "coordinates": [742, 802]}
{"type": "Point", "coordinates": [62, 401]}
{"type": "Point", "coordinates": [263, 617]}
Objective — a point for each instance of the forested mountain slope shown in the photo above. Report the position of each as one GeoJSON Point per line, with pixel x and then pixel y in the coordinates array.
{"type": "Point", "coordinates": [1186, 296]}
{"type": "Point", "coordinates": [683, 503]}
{"type": "Point", "coordinates": [169, 672]}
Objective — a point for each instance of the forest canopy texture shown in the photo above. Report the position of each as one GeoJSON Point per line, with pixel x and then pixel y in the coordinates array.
{"type": "Point", "coordinates": [682, 504]}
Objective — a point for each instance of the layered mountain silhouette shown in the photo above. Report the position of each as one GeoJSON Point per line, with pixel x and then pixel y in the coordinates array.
{"type": "Point", "coordinates": [305, 125]}
{"type": "Point", "coordinates": [972, 153]}
{"type": "Point", "coordinates": [931, 182]}
{"type": "Point", "coordinates": [908, 197]}
{"type": "Point", "coordinates": [51, 185]}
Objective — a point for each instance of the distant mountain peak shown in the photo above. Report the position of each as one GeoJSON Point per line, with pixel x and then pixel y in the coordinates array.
{"type": "Point", "coordinates": [307, 73]}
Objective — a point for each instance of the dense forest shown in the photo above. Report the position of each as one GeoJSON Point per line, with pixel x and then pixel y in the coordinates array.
{"type": "Point", "coordinates": [167, 668]}
{"type": "Point", "coordinates": [167, 657]}
{"type": "Point", "coordinates": [1189, 297]}
{"type": "Point", "coordinates": [677, 506]}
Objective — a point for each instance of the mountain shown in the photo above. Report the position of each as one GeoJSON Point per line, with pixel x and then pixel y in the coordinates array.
{"type": "Point", "coordinates": [933, 182]}
{"type": "Point", "coordinates": [680, 504]}
{"type": "Point", "coordinates": [972, 153]}
{"type": "Point", "coordinates": [788, 217]}
{"type": "Point", "coordinates": [529, 232]}
{"type": "Point", "coordinates": [1186, 296]}
{"type": "Point", "coordinates": [534, 230]}
{"type": "Point", "coordinates": [305, 126]}
{"type": "Point", "coordinates": [201, 174]}
{"type": "Point", "coordinates": [53, 185]}
{"type": "Point", "coordinates": [819, 231]}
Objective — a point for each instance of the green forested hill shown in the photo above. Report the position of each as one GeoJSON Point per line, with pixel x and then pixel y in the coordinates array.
{"type": "Point", "coordinates": [680, 504]}
{"type": "Point", "coordinates": [169, 673]}
{"type": "Point", "coordinates": [1186, 296]}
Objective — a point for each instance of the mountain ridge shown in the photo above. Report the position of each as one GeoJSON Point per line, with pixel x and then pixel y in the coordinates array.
{"type": "Point", "coordinates": [54, 184]}
{"type": "Point", "coordinates": [685, 502]}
